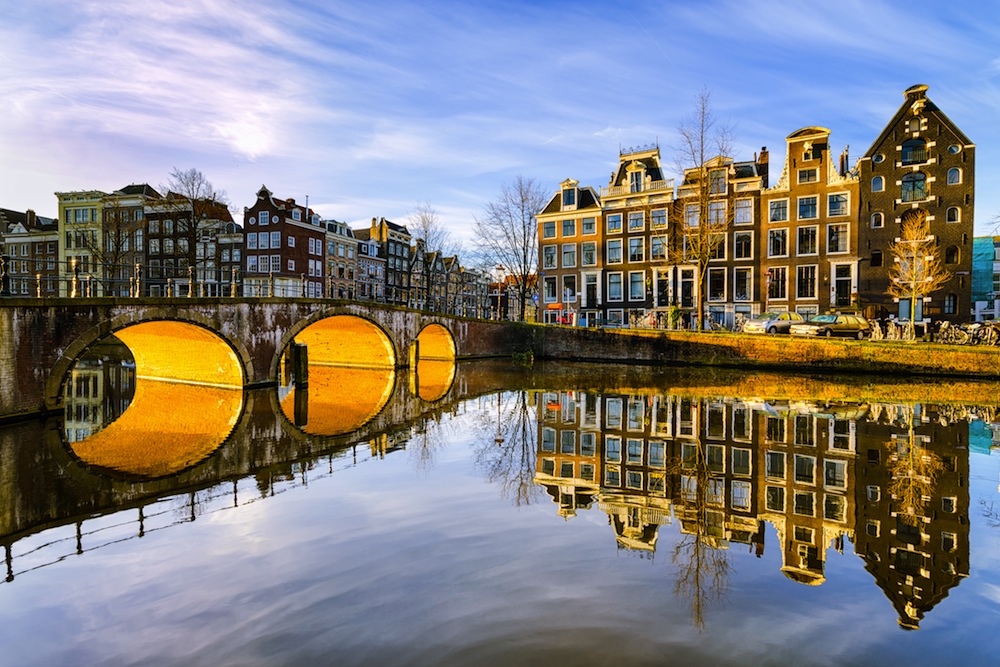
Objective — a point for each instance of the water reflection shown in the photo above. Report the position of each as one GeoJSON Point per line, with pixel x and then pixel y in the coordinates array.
{"type": "Point", "coordinates": [890, 478]}
{"type": "Point", "coordinates": [711, 497]}
{"type": "Point", "coordinates": [117, 420]}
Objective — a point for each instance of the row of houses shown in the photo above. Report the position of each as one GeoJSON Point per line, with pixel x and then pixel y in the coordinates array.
{"type": "Point", "coordinates": [816, 240]}
{"type": "Point", "coordinates": [138, 242]}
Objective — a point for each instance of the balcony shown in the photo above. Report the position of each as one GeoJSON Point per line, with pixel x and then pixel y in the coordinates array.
{"type": "Point", "coordinates": [628, 189]}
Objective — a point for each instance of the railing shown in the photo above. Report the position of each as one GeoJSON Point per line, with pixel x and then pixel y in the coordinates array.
{"type": "Point", "coordinates": [23, 277]}
{"type": "Point", "coordinates": [652, 186]}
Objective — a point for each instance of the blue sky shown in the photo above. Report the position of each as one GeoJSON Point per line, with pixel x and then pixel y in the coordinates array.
{"type": "Point", "coordinates": [370, 109]}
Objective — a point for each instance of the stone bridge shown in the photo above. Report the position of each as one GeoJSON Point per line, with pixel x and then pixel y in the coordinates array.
{"type": "Point", "coordinates": [226, 343]}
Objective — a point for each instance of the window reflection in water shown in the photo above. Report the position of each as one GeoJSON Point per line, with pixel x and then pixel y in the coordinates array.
{"type": "Point", "coordinates": [888, 478]}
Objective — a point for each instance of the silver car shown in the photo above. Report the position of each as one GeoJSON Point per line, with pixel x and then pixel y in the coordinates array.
{"type": "Point", "coordinates": [772, 323]}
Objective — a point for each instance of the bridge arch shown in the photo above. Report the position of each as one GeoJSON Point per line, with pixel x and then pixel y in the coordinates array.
{"type": "Point", "coordinates": [434, 369]}
{"type": "Point", "coordinates": [183, 350]}
{"type": "Point", "coordinates": [339, 339]}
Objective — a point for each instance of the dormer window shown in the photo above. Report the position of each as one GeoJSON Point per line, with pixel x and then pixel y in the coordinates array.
{"type": "Point", "coordinates": [569, 198]}
{"type": "Point", "coordinates": [296, 214]}
{"type": "Point", "coordinates": [635, 181]}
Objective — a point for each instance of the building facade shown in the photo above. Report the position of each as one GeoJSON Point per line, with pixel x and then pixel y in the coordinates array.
{"type": "Point", "coordinates": [921, 160]}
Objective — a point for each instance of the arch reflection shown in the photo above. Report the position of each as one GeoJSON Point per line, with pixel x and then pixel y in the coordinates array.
{"type": "Point", "coordinates": [432, 379]}
{"type": "Point", "coordinates": [167, 428]}
{"type": "Point", "coordinates": [152, 400]}
{"type": "Point", "coordinates": [337, 400]}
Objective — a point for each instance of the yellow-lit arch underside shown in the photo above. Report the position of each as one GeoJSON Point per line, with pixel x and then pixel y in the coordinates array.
{"type": "Point", "coordinates": [182, 352]}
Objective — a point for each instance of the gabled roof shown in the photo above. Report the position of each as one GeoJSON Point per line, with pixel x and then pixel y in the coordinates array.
{"type": "Point", "coordinates": [916, 100]}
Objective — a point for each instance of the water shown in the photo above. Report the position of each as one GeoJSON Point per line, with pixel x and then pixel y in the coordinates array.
{"type": "Point", "coordinates": [578, 515]}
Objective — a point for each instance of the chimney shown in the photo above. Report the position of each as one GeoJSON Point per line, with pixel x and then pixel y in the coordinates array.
{"type": "Point", "coordinates": [844, 160]}
{"type": "Point", "coordinates": [763, 168]}
{"type": "Point", "coordinates": [30, 219]}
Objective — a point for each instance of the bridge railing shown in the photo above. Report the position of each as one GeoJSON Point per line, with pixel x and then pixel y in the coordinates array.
{"type": "Point", "coordinates": [32, 277]}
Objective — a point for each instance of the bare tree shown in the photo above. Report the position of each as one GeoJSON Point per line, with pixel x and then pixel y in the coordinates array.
{"type": "Point", "coordinates": [507, 442]}
{"type": "Point", "coordinates": [706, 215]}
{"type": "Point", "coordinates": [433, 243]}
{"type": "Point", "coordinates": [915, 471]}
{"type": "Point", "coordinates": [507, 234]}
{"type": "Point", "coordinates": [197, 208]}
{"type": "Point", "coordinates": [917, 268]}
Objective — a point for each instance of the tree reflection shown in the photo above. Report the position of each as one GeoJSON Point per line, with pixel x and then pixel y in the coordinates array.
{"type": "Point", "coordinates": [703, 567]}
{"type": "Point", "coordinates": [913, 471]}
{"type": "Point", "coordinates": [506, 434]}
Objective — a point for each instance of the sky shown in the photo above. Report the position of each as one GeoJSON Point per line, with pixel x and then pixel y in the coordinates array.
{"type": "Point", "coordinates": [375, 108]}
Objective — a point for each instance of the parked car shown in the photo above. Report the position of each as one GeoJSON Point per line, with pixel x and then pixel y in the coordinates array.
{"type": "Point", "coordinates": [772, 323]}
{"type": "Point", "coordinates": [854, 326]}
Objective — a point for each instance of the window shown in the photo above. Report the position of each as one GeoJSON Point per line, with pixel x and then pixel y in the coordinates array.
{"type": "Point", "coordinates": [954, 176]}
{"type": "Point", "coordinates": [805, 503]}
{"type": "Point", "coordinates": [588, 444]}
{"type": "Point", "coordinates": [808, 175]}
{"type": "Point", "coordinates": [264, 217]}
{"type": "Point", "coordinates": [636, 221]}
{"type": "Point", "coordinates": [290, 242]}
{"type": "Point", "coordinates": [614, 287]}
{"type": "Point", "coordinates": [569, 227]}
{"type": "Point", "coordinates": [777, 282]}
{"type": "Point", "coordinates": [775, 465]}
{"type": "Point", "coordinates": [658, 247]}
{"type": "Point", "coordinates": [873, 493]}
{"type": "Point", "coordinates": [778, 210]}
{"type": "Point", "coordinates": [635, 181]}
{"type": "Point", "coordinates": [549, 229]}
{"type": "Point", "coordinates": [743, 245]}
{"type": "Point", "coordinates": [550, 289]}
{"type": "Point", "coordinates": [914, 187]}
{"type": "Point", "coordinates": [808, 208]}
{"type": "Point", "coordinates": [569, 288]}
{"type": "Point", "coordinates": [614, 253]}
{"type": "Point", "coordinates": [876, 258]}
{"type": "Point", "coordinates": [741, 461]}
{"type": "Point", "coordinates": [954, 214]}
{"type": "Point", "coordinates": [835, 474]}
{"type": "Point", "coordinates": [717, 247]}
{"type": "Point", "coordinates": [836, 205]}
{"type": "Point", "coordinates": [658, 218]}
{"type": "Point", "coordinates": [588, 251]}
{"type": "Point", "coordinates": [569, 255]}
{"type": "Point", "coordinates": [636, 292]}
{"type": "Point", "coordinates": [291, 265]}
{"type": "Point", "coordinates": [569, 197]}
{"type": "Point", "coordinates": [777, 243]}
{"type": "Point", "coordinates": [805, 469]}
{"type": "Point", "coordinates": [807, 244]}
{"type": "Point", "coordinates": [835, 508]}
{"type": "Point", "coordinates": [877, 220]}
{"type": "Point", "coordinates": [742, 284]}
{"type": "Point", "coordinates": [612, 476]}
{"type": "Point", "coordinates": [878, 184]}
{"type": "Point", "coordinates": [914, 151]}
{"type": "Point", "coordinates": [836, 238]}
{"type": "Point", "coordinates": [717, 284]}
{"type": "Point", "coordinates": [567, 442]}
{"type": "Point", "coordinates": [251, 263]}
{"type": "Point", "coordinates": [636, 249]}
{"type": "Point", "coordinates": [805, 282]}
{"type": "Point", "coordinates": [633, 451]}
{"type": "Point", "coordinates": [615, 223]}
{"type": "Point", "coordinates": [613, 444]}
{"type": "Point", "coordinates": [775, 498]}
{"type": "Point", "coordinates": [951, 255]}
{"type": "Point", "coordinates": [716, 212]}
{"type": "Point", "coordinates": [548, 257]}
{"type": "Point", "coordinates": [590, 225]}
{"type": "Point", "coordinates": [691, 215]}
{"type": "Point", "coordinates": [913, 125]}
{"type": "Point", "coordinates": [717, 181]}
{"type": "Point", "coordinates": [743, 212]}
{"type": "Point", "coordinates": [276, 263]}
{"type": "Point", "coordinates": [657, 454]}
{"type": "Point", "coordinates": [950, 304]}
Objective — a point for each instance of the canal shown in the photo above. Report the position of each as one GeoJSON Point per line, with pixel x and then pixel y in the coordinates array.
{"type": "Point", "coordinates": [496, 514]}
